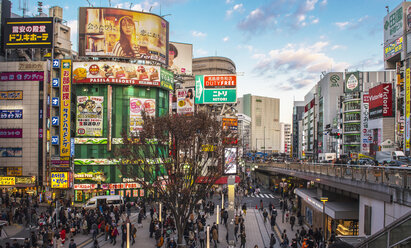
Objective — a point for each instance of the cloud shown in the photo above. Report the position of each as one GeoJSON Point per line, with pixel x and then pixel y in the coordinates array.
{"type": "Point", "coordinates": [352, 24]}
{"type": "Point", "coordinates": [225, 39]}
{"type": "Point", "coordinates": [298, 18]}
{"type": "Point", "coordinates": [73, 24]}
{"type": "Point", "coordinates": [372, 63]}
{"type": "Point", "coordinates": [305, 61]}
{"type": "Point", "coordinates": [145, 6]}
{"type": "Point", "coordinates": [198, 34]}
{"type": "Point", "coordinates": [323, 2]}
{"type": "Point", "coordinates": [336, 47]}
{"type": "Point", "coordinates": [229, 1]}
{"type": "Point", "coordinates": [250, 48]}
{"type": "Point", "coordinates": [236, 8]}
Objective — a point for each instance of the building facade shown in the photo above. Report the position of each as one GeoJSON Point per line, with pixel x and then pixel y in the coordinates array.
{"type": "Point", "coordinates": [298, 111]}
{"type": "Point", "coordinates": [265, 122]}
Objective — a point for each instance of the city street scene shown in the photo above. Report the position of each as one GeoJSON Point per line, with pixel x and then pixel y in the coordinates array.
{"type": "Point", "coordinates": [205, 124]}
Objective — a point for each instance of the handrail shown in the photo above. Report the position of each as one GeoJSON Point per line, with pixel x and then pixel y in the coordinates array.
{"type": "Point", "coordinates": [385, 175]}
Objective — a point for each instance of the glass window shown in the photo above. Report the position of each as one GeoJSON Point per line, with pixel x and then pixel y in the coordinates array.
{"type": "Point", "coordinates": [400, 232]}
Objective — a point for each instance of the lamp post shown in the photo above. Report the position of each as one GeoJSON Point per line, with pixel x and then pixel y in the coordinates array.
{"type": "Point", "coordinates": [324, 200]}
{"type": "Point", "coordinates": [218, 219]}
{"type": "Point", "coordinates": [283, 179]}
{"type": "Point", "coordinates": [208, 236]}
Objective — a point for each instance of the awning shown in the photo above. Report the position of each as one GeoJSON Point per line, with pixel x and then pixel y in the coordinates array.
{"type": "Point", "coordinates": [336, 210]}
{"type": "Point", "coordinates": [221, 180]}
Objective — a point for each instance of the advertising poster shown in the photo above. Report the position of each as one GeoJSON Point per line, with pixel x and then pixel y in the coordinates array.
{"type": "Point", "coordinates": [115, 73]}
{"type": "Point", "coordinates": [112, 32]}
{"type": "Point", "coordinates": [11, 95]}
{"type": "Point", "coordinates": [230, 123]}
{"type": "Point", "coordinates": [366, 135]}
{"type": "Point", "coordinates": [14, 171]}
{"type": "Point", "coordinates": [137, 106]}
{"type": "Point", "coordinates": [393, 48]}
{"type": "Point", "coordinates": [65, 115]}
{"type": "Point", "coordinates": [381, 101]}
{"type": "Point", "coordinates": [166, 79]}
{"type": "Point", "coordinates": [28, 32]}
{"type": "Point", "coordinates": [230, 160]}
{"type": "Point", "coordinates": [89, 117]}
{"type": "Point", "coordinates": [185, 101]}
{"type": "Point", "coordinates": [11, 152]}
{"type": "Point", "coordinates": [59, 180]}
{"type": "Point", "coordinates": [11, 133]}
{"type": "Point", "coordinates": [352, 83]}
{"type": "Point", "coordinates": [180, 58]}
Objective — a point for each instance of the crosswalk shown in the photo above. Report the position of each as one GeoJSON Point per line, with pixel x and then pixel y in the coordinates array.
{"type": "Point", "coordinates": [261, 196]}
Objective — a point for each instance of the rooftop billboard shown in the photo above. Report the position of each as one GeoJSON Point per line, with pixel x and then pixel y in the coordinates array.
{"type": "Point", "coordinates": [112, 32]}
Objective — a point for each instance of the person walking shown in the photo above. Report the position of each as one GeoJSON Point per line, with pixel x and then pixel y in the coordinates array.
{"type": "Point", "coordinates": [292, 222]}
{"type": "Point", "coordinates": [215, 236]}
{"type": "Point", "coordinates": [114, 235]}
{"type": "Point", "coordinates": [265, 215]}
{"type": "Point", "coordinates": [272, 240]}
{"type": "Point", "coordinates": [242, 239]}
{"type": "Point", "coordinates": [72, 244]}
{"type": "Point", "coordinates": [272, 221]}
{"type": "Point", "coordinates": [202, 237]}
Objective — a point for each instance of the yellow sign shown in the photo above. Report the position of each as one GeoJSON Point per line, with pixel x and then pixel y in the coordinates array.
{"type": "Point", "coordinates": [7, 181]}
{"type": "Point", "coordinates": [65, 100]}
{"type": "Point", "coordinates": [26, 180]}
{"type": "Point", "coordinates": [11, 95]}
{"type": "Point", "coordinates": [59, 180]}
{"type": "Point", "coordinates": [14, 171]}
{"type": "Point", "coordinates": [407, 109]}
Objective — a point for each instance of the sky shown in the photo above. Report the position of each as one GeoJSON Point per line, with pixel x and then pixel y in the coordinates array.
{"type": "Point", "coordinates": [280, 47]}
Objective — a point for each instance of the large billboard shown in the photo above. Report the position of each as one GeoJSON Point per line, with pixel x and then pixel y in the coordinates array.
{"type": "Point", "coordinates": [65, 101]}
{"type": "Point", "coordinates": [60, 180]}
{"type": "Point", "coordinates": [230, 160]}
{"type": "Point", "coordinates": [137, 106]}
{"type": "Point", "coordinates": [121, 73]}
{"type": "Point", "coordinates": [381, 101]}
{"type": "Point", "coordinates": [112, 32]}
{"type": "Point", "coordinates": [393, 48]}
{"type": "Point", "coordinates": [394, 24]}
{"type": "Point", "coordinates": [28, 32]}
{"type": "Point", "coordinates": [215, 89]}
{"type": "Point", "coordinates": [180, 58]}
{"type": "Point", "coordinates": [89, 119]}
{"type": "Point", "coordinates": [185, 101]}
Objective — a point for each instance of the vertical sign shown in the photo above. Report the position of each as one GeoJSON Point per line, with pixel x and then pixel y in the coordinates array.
{"type": "Point", "coordinates": [407, 109]}
{"type": "Point", "coordinates": [65, 100]}
{"type": "Point", "coordinates": [365, 131]}
{"type": "Point", "coordinates": [109, 115]}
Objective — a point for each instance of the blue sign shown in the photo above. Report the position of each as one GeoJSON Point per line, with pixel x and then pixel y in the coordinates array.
{"type": "Point", "coordinates": [55, 121]}
{"type": "Point", "coordinates": [56, 63]}
{"type": "Point", "coordinates": [54, 140]}
{"type": "Point", "coordinates": [48, 99]}
{"type": "Point", "coordinates": [55, 82]}
{"type": "Point", "coordinates": [72, 147]}
{"type": "Point", "coordinates": [55, 102]}
{"type": "Point", "coordinates": [11, 114]}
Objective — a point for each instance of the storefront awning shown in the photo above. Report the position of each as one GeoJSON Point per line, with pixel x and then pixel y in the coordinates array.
{"type": "Point", "coordinates": [336, 210]}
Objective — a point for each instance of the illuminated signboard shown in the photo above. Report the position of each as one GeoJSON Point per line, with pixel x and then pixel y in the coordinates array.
{"type": "Point", "coordinates": [28, 32]}
{"type": "Point", "coordinates": [7, 181]}
{"type": "Point", "coordinates": [214, 89]}
{"type": "Point", "coordinates": [65, 99]}
{"type": "Point", "coordinates": [11, 95]}
{"type": "Point", "coordinates": [59, 180]}
{"type": "Point", "coordinates": [11, 133]}
{"type": "Point", "coordinates": [22, 76]}
{"type": "Point", "coordinates": [11, 114]}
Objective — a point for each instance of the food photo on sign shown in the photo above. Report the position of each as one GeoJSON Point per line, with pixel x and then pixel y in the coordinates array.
{"type": "Point", "coordinates": [89, 116]}
{"type": "Point", "coordinates": [185, 101]}
{"type": "Point", "coordinates": [137, 107]}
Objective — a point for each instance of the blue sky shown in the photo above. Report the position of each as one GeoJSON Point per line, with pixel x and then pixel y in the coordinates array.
{"type": "Point", "coordinates": [280, 46]}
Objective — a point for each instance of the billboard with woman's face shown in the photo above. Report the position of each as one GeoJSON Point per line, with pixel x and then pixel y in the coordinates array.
{"type": "Point", "coordinates": [110, 32]}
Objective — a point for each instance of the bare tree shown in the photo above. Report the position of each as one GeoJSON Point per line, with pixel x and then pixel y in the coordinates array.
{"type": "Point", "coordinates": [177, 157]}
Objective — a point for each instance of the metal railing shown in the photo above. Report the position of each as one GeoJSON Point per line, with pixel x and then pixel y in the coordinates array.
{"type": "Point", "coordinates": [387, 175]}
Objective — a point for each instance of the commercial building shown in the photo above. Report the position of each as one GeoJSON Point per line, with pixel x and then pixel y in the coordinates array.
{"type": "Point", "coordinates": [265, 123]}
{"type": "Point", "coordinates": [298, 111]}
{"type": "Point", "coordinates": [244, 132]}
{"type": "Point", "coordinates": [309, 124]}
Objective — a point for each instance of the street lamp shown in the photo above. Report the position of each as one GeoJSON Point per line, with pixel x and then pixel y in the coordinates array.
{"type": "Point", "coordinates": [283, 179]}
{"type": "Point", "coordinates": [324, 200]}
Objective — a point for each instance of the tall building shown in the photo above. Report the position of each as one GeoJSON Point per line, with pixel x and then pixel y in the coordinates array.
{"type": "Point", "coordinates": [265, 121]}
{"type": "Point", "coordinates": [244, 132]}
{"type": "Point", "coordinates": [309, 125]}
{"type": "Point", "coordinates": [285, 140]}
{"type": "Point", "coordinates": [297, 129]}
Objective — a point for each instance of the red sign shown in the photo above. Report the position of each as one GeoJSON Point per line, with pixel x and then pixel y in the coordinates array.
{"type": "Point", "coordinates": [85, 186]}
{"type": "Point", "coordinates": [220, 81]}
{"type": "Point", "coordinates": [11, 133]}
{"type": "Point", "coordinates": [366, 98]}
{"type": "Point", "coordinates": [381, 101]}
{"type": "Point", "coordinates": [22, 76]}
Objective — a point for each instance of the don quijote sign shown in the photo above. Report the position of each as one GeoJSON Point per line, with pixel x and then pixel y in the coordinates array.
{"type": "Point", "coordinates": [381, 101]}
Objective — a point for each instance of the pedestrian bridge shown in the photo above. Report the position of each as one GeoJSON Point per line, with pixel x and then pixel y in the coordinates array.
{"type": "Point", "coordinates": [389, 184]}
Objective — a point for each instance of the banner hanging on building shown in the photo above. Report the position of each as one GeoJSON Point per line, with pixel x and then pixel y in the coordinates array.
{"type": "Point", "coordinates": [366, 134]}
{"type": "Point", "coordinates": [381, 101]}
{"type": "Point", "coordinates": [185, 101]}
{"type": "Point", "coordinates": [407, 109]}
{"type": "Point", "coordinates": [65, 101]}
{"type": "Point", "coordinates": [137, 106]}
{"type": "Point", "coordinates": [89, 119]}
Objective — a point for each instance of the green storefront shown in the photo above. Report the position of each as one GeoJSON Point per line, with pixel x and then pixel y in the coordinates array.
{"type": "Point", "coordinates": [107, 105]}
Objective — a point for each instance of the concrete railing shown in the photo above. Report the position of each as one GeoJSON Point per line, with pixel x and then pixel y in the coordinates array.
{"type": "Point", "coordinates": [386, 175]}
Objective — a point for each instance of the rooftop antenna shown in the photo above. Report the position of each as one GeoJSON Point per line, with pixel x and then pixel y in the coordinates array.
{"type": "Point", "coordinates": [150, 9]}
{"type": "Point", "coordinates": [23, 5]}
{"type": "Point", "coordinates": [109, 3]}
{"type": "Point", "coordinates": [131, 5]}
{"type": "Point", "coordinates": [388, 9]}
{"type": "Point", "coordinates": [89, 4]}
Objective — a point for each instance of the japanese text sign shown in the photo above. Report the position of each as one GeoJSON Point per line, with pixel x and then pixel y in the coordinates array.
{"type": "Point", "coordinates": [11, 95]}
{"type": "Point", "coordinates": [11, 114]}
{"type": "Point", "coordinates": [59, 180]}
{"type": "Point", "coordinates": [65, 100]}
{"type": "Point", "coordinates": [11, 133]}
{"type": "Point", "coordinates": [7, 181]}
{"type": "Point", "coordinates": [28, 32]}
{"type": "Point", "coordinates": [214, 89]}
{"type": "Point", "coordinates": [22, 76]}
